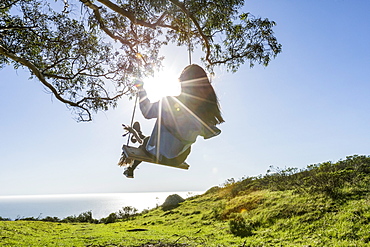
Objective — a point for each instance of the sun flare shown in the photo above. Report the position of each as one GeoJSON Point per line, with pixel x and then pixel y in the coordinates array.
{"type": "Point", "coordinates": [164, 83]}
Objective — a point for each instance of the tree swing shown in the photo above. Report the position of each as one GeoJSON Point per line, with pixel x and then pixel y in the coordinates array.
{"type": "Point", "coordinates": [130, 153]}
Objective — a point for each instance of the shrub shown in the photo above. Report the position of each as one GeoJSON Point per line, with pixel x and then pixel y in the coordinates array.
{"type": "Point", "coordinates": [329, 179]}
{"type": "Point", "coordinates": [127, 213]}
{"type": "Point", "coordinates": [217, 211]}
{"type": "Point", "coordinates": [51, 219]}
{"type": "Point", "coordinates": [239, 227]}
{"type": "Point", "coordinates": [4, 219]}
{"type": "Point", "coordinates": [85, 217]}
{"type": "Point", "coordinates": [110, 219]}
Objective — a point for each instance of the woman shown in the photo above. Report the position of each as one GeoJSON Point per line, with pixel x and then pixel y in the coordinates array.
{"type": "Point", "coordinates": [180, 119]}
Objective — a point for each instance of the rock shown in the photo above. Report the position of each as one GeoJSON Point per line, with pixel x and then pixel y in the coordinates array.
{"type": "Point", "coordinates": [137, 230]}
{"type": "Point", "coordinates": [172, 201]}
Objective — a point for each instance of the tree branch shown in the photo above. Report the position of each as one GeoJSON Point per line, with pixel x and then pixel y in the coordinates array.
{"type": "Point", "coordinates": [199, 29]}
{"type": "Point", "coordinates": [103, 98]}
{"type": "Point", "coordinates": [103, 27]}
{"type": "Point", "coordinates": [105, 75]}
{"type": "Point", "coordinates": [128, 14]}
{"type": "Point", "coordinates": [136, 21]}
{"type": "Point", "coordinates": [9, 5]}
{"type": "Point", "coordinates": [41, 77]}
{"type": "Point", "coordinates": [8, 28]}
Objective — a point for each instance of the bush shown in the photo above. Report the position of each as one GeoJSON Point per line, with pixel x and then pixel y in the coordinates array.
{"type": "Point", "coordinates": [110, 219]}
{"type": "Point", "coordinates": [239, 227]}
{"type": "Point", "coordinates": [51, 219]}
{"type": "Point", "coordinates": [217, 211]}
{"type": "Point", "coordinates": [329, 179]}
{"type": "Point", "coordinates": [127, 213]}
{"type": "Point", "coordinates": [4, 219]}
{"type": "Point", "coordinates": [85, 217]}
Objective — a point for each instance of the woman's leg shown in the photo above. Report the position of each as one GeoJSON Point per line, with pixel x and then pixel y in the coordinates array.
{"type": "Point", "coordinates": [129, 171]}
{"type": "Point", "coordinates": [178, 160]}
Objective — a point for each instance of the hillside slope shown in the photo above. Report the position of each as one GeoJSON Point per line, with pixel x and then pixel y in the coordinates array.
{"type": "Point", "coordinates": [323, 205]}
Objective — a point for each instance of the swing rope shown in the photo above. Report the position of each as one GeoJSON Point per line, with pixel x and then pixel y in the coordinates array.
{"type": "Point", "coordinates": [189, 48]}
{"type": "Point", "coordinates": [137, 55]}
{"type": "Point", "coordinates": [133, 117]}
{"type": "Point", "coordinates": [189, 40]}
{"type": "Point", "coordinates": [137, 52]}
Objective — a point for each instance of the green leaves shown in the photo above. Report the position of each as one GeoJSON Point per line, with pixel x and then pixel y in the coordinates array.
{"type": "Point", "coordinates": [240, 227]}
{"type": "Point", "coordinates": [86, 54]}
{"type": "Point", "coordinates": [250, 40]}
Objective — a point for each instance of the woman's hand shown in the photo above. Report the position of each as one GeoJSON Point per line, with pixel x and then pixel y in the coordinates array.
{"type": "Point", "coordinates": [138, 84]}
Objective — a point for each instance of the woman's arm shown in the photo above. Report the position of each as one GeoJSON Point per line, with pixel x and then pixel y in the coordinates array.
{"type": "Point", "coordinates": [149, 110]}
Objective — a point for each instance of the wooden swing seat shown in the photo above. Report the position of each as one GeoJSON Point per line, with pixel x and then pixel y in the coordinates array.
{"type": "Point", "coordinates": [138, 154]}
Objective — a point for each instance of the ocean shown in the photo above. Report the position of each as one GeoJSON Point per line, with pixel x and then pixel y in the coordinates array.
{"type": "Point", "coordinates": [61, 206]}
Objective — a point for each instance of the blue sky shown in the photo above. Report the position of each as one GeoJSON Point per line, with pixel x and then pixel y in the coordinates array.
{"type": "Point", "coordinates": [310, 105]}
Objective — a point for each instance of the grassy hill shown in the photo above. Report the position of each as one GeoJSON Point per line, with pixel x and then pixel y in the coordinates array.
{"type": "Point", "coordinates": [325, 204]}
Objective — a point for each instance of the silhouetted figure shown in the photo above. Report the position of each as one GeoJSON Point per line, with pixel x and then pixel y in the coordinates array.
{"type": "Point", "coordinates": [181, 119]}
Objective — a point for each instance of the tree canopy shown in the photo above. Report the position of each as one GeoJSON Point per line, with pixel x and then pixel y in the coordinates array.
{"type": "Point", "coordinates": [88, 52]}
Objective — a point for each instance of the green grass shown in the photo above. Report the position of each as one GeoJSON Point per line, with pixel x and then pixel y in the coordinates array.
{"type": "Point", "coordinates": [277, 218]}
{"type": "Point", "coordinates": [183, 225]}
{"type": "Point", "coordinates": [254, 208]}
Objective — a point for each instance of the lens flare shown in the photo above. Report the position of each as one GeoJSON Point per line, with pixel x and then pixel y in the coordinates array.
{"type": "Point", "coordinates": [164, 83]}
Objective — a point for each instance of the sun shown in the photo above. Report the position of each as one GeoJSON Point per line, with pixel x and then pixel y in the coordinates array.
{"type": "Point", "coordinates": [164, 83]}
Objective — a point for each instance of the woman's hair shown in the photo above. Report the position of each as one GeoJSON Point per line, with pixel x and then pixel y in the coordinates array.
{"type": "Point", "coordinates": [199, 96]}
